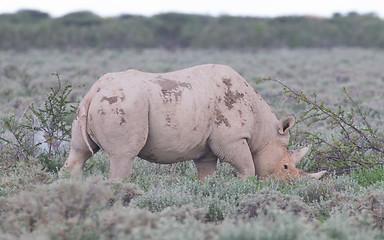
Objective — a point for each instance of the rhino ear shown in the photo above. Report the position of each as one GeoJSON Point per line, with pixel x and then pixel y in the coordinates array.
{"type": "Point", "coordinates": [286, 124]}
{"type": "Point", "coordinates": [297, 155]}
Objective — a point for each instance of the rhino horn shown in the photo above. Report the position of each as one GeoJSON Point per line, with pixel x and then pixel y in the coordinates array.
{"type": "Point", "coordinates": [317, 175]}
{"type": "Point", "coordinates": [297, 155]}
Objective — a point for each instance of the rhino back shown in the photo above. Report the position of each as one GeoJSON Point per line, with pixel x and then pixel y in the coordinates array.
{"type": "Point", "coordinates": [184, 110]}
{"type": "Point", "coordinates": [191, 108]}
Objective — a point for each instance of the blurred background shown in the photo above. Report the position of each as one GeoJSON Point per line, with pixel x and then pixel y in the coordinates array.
{"type": "Point", "coordinates": [202, 24]}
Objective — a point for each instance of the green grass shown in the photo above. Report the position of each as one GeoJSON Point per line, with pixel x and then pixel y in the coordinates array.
{"type": "Point", "coordinates": [167, 201]}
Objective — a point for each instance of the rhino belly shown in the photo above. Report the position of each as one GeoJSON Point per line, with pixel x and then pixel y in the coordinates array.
{"type": "Point", "coordinates": [175, 136]}
{"type": "Point", "coordinates": [168, 147]}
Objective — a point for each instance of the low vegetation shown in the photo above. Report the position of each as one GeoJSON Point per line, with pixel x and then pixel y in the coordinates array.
{"type": "Point", "coordinates": [167, 201]}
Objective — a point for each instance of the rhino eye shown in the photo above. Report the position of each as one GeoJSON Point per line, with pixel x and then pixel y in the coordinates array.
{"type": "Point", "coordinates": [285, 166]}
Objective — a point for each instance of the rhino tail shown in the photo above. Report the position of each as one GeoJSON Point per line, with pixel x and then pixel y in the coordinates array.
{"type": "Point", "coordinates": [83, 114]}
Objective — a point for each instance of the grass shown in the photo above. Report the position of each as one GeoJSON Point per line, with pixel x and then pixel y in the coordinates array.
{"type": "Point", "coordinates": [167, 201]}
{"type": "Point", "coordinates": [172, 205]}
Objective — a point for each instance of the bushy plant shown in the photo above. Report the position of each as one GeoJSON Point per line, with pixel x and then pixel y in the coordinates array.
{"type": "Point", "coordinates": [367, 205]}
{"type": "Point", "coordinates": [40, 132]}
{"type": "Point", "coordinates": [265, 201]}
{"type": "Point", "coordinates": [25, 176]}
{"type": "Point", "coordinates": [367, 176]}
{"type": "Point", "coordinates": [355, 143]}
{"type": "Point", "coordinates": [63, 206]}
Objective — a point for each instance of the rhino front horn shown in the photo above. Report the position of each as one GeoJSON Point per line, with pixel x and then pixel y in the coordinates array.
{"type": "Point", "coordinates": [297, 155]}
{"type": "Point", "coordinates": [317, 175]}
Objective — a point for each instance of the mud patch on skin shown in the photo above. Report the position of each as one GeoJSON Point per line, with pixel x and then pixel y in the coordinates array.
{"type": "Point", "coordinates": [110, 100]}
{"type": "Point", "coordinates": [122, 98]}
{"type": "Point", "coordinates": [101, 112]}
{"type": "Point", "coordinates": [122, 121]}
{"type": "Point", "coordinates": [227, 81]}
{"type": "Point", "coordinates": [169, 123]}
{"type": "Point", "coordinates": [171, 89]}
{"type": "Point", "coordinates": [231, 97]}
{"type": "Point", "coordinates": [221, 119]}
{"type": "Point", "coordinates": [77, 113]}
{"type": "Point", "coordinates": [118, 111]}
{"type": "Point", "coordinates": [168, 119]}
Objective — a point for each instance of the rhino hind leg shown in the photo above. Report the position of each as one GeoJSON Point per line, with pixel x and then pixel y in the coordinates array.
{"type": "Point", "coordinates": [238, 155]}
{"type": "Point", "coordinates": [122, 146]}
{"type": "Point", "coordinates": [121, 157]}
{"type": "Point", "coordinates": [205, 166]}
{"type": "Point", "coordinates": [120, 166]}
{"type": "Point", "coordinates": [78, 154]}
{"type": "Point", "coordinates": [75, 162]}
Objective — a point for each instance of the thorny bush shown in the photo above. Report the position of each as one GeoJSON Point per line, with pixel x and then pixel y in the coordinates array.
{"type": "Point", "coordinates": [39, 132]}
{"type": "Point", "coordinates": [354, 143]}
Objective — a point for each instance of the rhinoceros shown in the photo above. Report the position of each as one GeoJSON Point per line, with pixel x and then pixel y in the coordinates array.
{"type": "Point", "coordinates": [203, 113]}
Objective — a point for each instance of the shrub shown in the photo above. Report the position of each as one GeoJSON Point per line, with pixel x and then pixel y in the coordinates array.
{"type": "Point", "coordinates": [185, 212]}
{"type": "Point", "coordinates": [357, 144]}
{"type": "Point", "coordinates": [340, 226]}
{"type": "Point", "coordinates": [24, 176]}
{"type": "Point", "coordinates": [282, 226]}
{"type": "Point", "coordinates": [40, 132]}
{"type": "Point", "coordinates": [314, 191]}
{"type": "Point", "coordinates": [66, 208]}
{"type": "Point", "coordinates": [266, 201]}
{"type": "Point", "coordinates": [368, 176]}
{"type": "Point", "coordinates": [367, 205]}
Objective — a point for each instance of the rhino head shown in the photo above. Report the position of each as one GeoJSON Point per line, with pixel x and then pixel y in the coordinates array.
{"type": "Point", "coordinates": [276, 161]}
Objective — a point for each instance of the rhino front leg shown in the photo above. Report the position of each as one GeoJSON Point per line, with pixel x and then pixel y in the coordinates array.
{"type": "Point", "coordinates": [238, 155]}
{"type": "Point", "coordinates": [205, 165]}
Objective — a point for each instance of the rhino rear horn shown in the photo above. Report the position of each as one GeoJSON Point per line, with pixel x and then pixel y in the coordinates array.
{"type": "Point", "coordinates": [286, 124]}
{"type": "Point", "coordinates": [317, 175]}
{"type": "Point", "coordinates": [297, 155]}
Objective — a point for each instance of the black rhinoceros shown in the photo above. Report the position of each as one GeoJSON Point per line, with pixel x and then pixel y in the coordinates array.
{"type": "Point", "coordinates": [204, 113]}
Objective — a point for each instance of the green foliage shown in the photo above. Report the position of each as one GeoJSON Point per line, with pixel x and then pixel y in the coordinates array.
{"type": "Point", "coordinates": [28, 29]}
{"type": "Point", "coordinates": [355, 143]}
{"type": "Point", "coordinates": [19, 146]}
{"type": "Point", "coordinates": [368, 176]}
{"type": "Point", "coordinates": [24, 16]}
{"type": "Point", "coordinates": [54, 120]}
{"type": "Point", "coordinates": [40, 132]}
{"type": "Point", "coordinates": [80, 19]}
